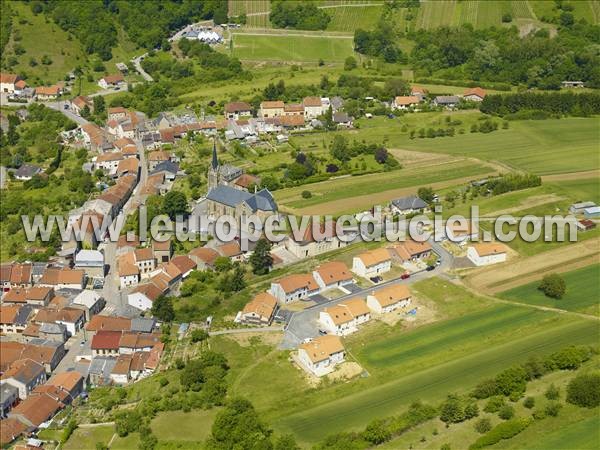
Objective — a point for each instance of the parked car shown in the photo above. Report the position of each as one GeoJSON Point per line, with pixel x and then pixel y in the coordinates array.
{"type": "Point", "coordinates": [405, 275]}
{"type": "Point", "coordinates": [430, 268]}
{"type": "Point", "coordinates": [376, 279]}
{"type": "Point", "coordinates": [322, 332]}
{"type": "Point", "coordinates": [438, 262]}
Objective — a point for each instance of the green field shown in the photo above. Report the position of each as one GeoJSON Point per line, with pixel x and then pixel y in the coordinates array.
{"type": "Point", "coordinates": [86, 438]}
{"type": "Point", "coordinates": [542, 147]}
{"type": "Point", "coordinates": [278, 47]}
{"type": "Point", "coordinates": [583, 292]}
{"type": "Point", "coordinates": [179, 426]}
{"type": "Point", "coordinates": [349, 18]}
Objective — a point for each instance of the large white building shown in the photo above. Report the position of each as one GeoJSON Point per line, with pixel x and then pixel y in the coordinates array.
{"type": "Point", "coordinates": [372, 263]}
{"type": "Point", "coordinates": [389, 299]}
{"type": "Point", "coordinates": [321, 355]}
{"type": "Point", "coordinates": [344, 318]}
{"type": "Point", "coordinates": [485, 253]}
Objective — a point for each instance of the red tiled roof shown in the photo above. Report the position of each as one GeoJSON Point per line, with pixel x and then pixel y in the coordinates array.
{"type": "Point", "coordinates": [106, 340]}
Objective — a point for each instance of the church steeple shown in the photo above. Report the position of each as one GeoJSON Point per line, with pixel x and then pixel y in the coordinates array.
{"type": "Point", "coordinates": [215, 161]}
{"type": "Point", "coordinates": [213, 170]}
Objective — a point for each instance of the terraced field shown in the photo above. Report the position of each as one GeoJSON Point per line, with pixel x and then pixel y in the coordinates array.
{"type": "Point", "coordinates": [349, 18]}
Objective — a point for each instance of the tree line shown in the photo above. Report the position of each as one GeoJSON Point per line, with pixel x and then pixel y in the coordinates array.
{"type": "Point", "coordinates": [300, 15]}
{"type": "Point", "coordinates": [553, 103]}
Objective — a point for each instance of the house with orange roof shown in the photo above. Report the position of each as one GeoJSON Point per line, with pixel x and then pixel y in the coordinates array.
{"type": "Point", "coordinates": [48, 92]}
{"type": "Point", "coordinates": [36, 296]}
{"type": "Point", "coordinates": [143, 296]}
{"type": "Point", "coordinates": [321, 355]}
{"type": "Point", "coordinates": [258, 311]}
{"type": "Point", "coordinates": [204, 257]}
{"type": "Point", "coordinates": [25, 375]}
{"type": "Point", "coordinates": [8, 81]}
{"type": "Point", "coordinates": [111, 81]}
{"type": "Point", "coordinates": [410, 250]}
{"type": "Point", "coordinates": [185, 265]}
{"type": "Point", "coordinates": [486, 253]}
{"type": "Point", "coordinates": [313, 107]}
{"type": "Point", "coordinates": [372, 263]}
{"type": "Point", "coordinates": [332, 274]}
{"type": "Point", "coordinates": [313, 242]}
{"type": "Point", "coordinates": [389, 298]}
{"type": "Point", "coordinates": [106, 343]}
{"type": "Point", "coordinates": [108, 323]}
{"type": "Point", "coordinates": [16, 275]}
{"type": "Point", "coordinates": [63, 278]}
{"type": "Point", "coordinates": [129, 272]}
{"type": "Point", "coordinates": [404, 102]}
{"type": "Point", "coordinates": [419, 92]}
{"type": "Point", "coordinates": [475, 94]}
{"type": "Point", "coordinates": [108, 161]}
{"type": "Point", "coordinates": [128, 165]}
{"type": "Point", "coordinates": [80, 102]}
{"type": "Point", "coordinates": [10, 429]}
{"type": "Point", "coordinates": [231, 250]}
{"type": "Point", "coordinates": [271, 109]}
{"type": "Point", "coordinates": [70, 382]}
{"type": "Point", "coordinates": [294, 287]}
{"type": "Point", "coordinates": [345, 317]}
{"type": "Point", "coordinates": [36, 409]}
{"type": "Point", "coordinates": [13, 318]}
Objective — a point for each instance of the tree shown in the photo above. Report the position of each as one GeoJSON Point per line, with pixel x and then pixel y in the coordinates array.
{"type": "Point", "coordinates": [396, 86]}
{"type": "Point", "coordinates": [199, 335]}
{"type": "Point", "coordinates": [350, 63]}
{"type": "Point", "coordinates": [425, 194]}
{"type": "Point", "coordinates": [377, 432]}
{"type": "Point", "coordinates": [529, 402]}
{"type": "Point", "coordinates": [192, 375]}
{"type": "Point", "coordinates": [286, 442]}
{"type": "Point", "coordinates": [306, 194]}
{"type": "Point", "coordinates": [506, 412]}
{"type": "Point", "coordinates": [339, 148]}
{"type": "Point", "coordinates": [452, 410]}
{"type": "Point", "coordinates": [261, 259]}
{"type": "Point", "coordinates": [222, 264]}
{"type": "Point", "coordinates": [238, 426]}
{"type": "Point", "coordinates": [513, 379]}
{"type": "Point", "coordinates": [162, 309]}
{"type": "Point", "coordinates": [381, 155]}
{"type": "Point", "coordinates": [175, 204]}
{"type": "Point", "coordinates": [99, 104]}
{"type": "Point", "coordinates": [553, 286]}
{"type": "Point", "coordinates": [238, 281]}
{"type": "Point", "coordinates": [483, 425]}
{"type": "Point", "coordinates": [584, 390]}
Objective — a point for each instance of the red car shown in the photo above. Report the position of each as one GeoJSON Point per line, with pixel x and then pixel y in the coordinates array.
{"type": "Point", "coordinates": [405, 275]}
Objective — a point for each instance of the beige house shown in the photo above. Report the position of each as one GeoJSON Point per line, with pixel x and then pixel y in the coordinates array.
{"type": "Point", "coordinates": [309, 246]}
{"type": "Point", "coordinates": [486, 253]}
{"type": "Point", "coordinates": [321, 355]}
{"type": "Point", "coordinates": [313, 107]}
{"type": "Point", "coordinates": [332, 274]}
{"type": "Point", "coordinates": [389, 299]}
{"type": "Point", "coordinates": [271, 109]}
{"type": "Point", "coordinates": [259, 311]}
{"type": "Point", "coordinates": [410, 250]}
{"type": "Point", "coordinates": [372, 263]}
{"type": "Point", "coordinates": [345, 317]}
{"type": "Point", "coordinates": [294, 287]}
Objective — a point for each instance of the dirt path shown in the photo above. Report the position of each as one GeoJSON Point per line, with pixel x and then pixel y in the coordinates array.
{"type": "Point", "coordinates": [491, 280]}
{"type": "Point", "coordinates": [528, 203]}
{"type": "Point", "coordinates": [572, 175]}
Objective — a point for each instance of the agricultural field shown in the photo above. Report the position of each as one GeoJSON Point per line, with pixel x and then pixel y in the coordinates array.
{"type": "Point", "coordinates": [86, 438]}
{"type": "Point", "coordinates": [345, 17]}
{"type": "Point", "coordinates": [582, 295]}
{"type": "Point", "coordinates": [181, 427]}
{"type": "Point", "coordinates": [257, 12]}
{"type": "Point", "coordinates": [305, 48]}
{"type": "Point", "coordinates": [347, 194]}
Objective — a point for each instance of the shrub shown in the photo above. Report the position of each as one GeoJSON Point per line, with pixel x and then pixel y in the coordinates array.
{"type": "Point", "coordinates": [306, 194]}
{"type": "Point", "coordinates": [513, 379]}
{"type": "Point", "coordinates": [529, 402]}
{"type": "Point", "coordinates": [552, 408]}
{"type": "Point", "coordinates": [483, 425]}
{"type": "Point", "coordinates": [553, 286]}
{"type": "Point", "coordinates": [506, 412]}
{"type": "Point", "coordinates": [569, 358]}
{"type": "Point", "coordinates": [552, 393]}
{"type": "Point", "coordinates": [377, 432]}
{"type": "Point", "coordinates": [584, 390]}
{"type": "Point", "coordinates": [494, 404]}
{"type": "Point", "coordinates": [485, 389]}
{"type": "Point", "coordinates": [505, 430]}
{"type": "Point", "coordinates": [539, 414]}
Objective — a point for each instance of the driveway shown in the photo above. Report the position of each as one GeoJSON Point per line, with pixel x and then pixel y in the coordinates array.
{"type": "Point", "coordinates": [60, 106]}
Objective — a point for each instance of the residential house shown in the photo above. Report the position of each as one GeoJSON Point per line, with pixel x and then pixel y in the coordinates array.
{"type": "Point", "coordinates": [106, 343]}
{"type": "Point", "coordinates": [72, 383]}
{"type": "Point", "coordinates": [137, 342]}
{"type": "Point", "coordinates": [460, 232]}
{"type": "Point", "coordinates": [129, 272]}
{"type": "Point", "coordinates": [10, 429]}
{"type": "Point", "coordinates": [204, 257]}
{"type": "Point", "coordinates": [143, 296]}
{"type": "Point", "coordinates": [72, 318]}
{"type": "Point", "coordinates": [486, 253]}
{"type": "Point", "coordinates": [25, 375]}
{"type": "Point", "coordinates": [410, 251]}
{"type": "Point", "coordinates": [372, 263]}
{"type": "Point", "coordinates": [9, 397]}
{"type": "Point", "coordinates": [36, 296]}
{"type": "Point", "coordinates": [13, 318]}
{"type": "Point", "coordinates": [573, 84]}
{"type": "Point", "coordinates": [579, 207]}
{"type": "Point", "coordinates": [111, 81]}
{"type": "Point", "coordinates": [342, 119]}
{"type": "Point", "coordinates": [48, 92]}
{"type": "Point", "coordinates": [7, 82]}
{"type": "Point", "coordinates": [100, 370]}
{"type": "Point", "coordinates": [117, 113]}
{"type": "Point", "coordinates": [419, 92]}
{"type": "Point", "coordinates": [36, 409]}
{"type": "Point", "coordinates": [128, 166]}
{"type": "Point", "coordinates": [168, 169]}
{"type": "Point", "coordinates": [270, 109]}
{"type": "Point", "coordinates": [157, 157]}
{"type": "Point", "coordinates": [294, 287]}
{"type": "Point", "coordinates": [235, 110]}
{"type": "Point", "coordinates": [108, 323]}
{"type": "Point", "coordinates": [293, 109]}
{"type": "Point", "coordinates": [162, 251]}
{"type": "Point", "coordinates": [321, 355]}
{"type": "Point", "coordinates": [389, 299]}
{"type": "Point", "coordinates": [345, 317]}
{"type": "Point", "coordinates": [231, 250]}
{"type": "Point", "coordinates": [408, 205]}
{"type": "Point", "coordinates": [108, 162]}
{"type": "Point", "coordinates": [475, 94]}
{"type": "Point", "coordinates": [185, 265]}
{"type": "Point", "coordinates": [585, 225]}
{"type": "Point", "coordinates": [80, 102]}
{"type": "Point", "coordinates": [332, 274]}
{"type": "Point", "coordinates": [447, 101]}
{"type": "Point", "coordinates": [90, 301]}
{"type": "Point", "coordinates": [313, 107]}
{"type": "Point", "coordinates": [16, 276]}
{"type": "Point", "coordinates": [316, 240]}
{"type": "Point", "coordinates": [405, 102]}
{"type": "Point", "coordinates": [27, 172]}
{"type": "Point", "coordinates": [292, 122]}
{"type": "Point", "coordinates": [120, 373]}
{"type": "Point", "coordinates": [259, 311]}
{"type": "Point", "coordinates": [45, 352]}
{"type": "Point", "coordinates": [48, 331]}
{"type": "Point", "coordinates": [63, 278]}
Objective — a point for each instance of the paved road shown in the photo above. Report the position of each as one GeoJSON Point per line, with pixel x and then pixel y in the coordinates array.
{"type": "Point", "coordinates": [3, 175]}
{"type": "Point", "coordinates": [73, 348]}
{"type": "Point", "coordinates": [137, 63]}
{"type": "Point", "coordinates": [304, 324]}
{"type": "Point", "coordinates": [60, 106]}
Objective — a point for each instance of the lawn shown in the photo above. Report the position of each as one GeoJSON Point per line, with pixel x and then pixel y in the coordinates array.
{"type": "Point", "coordinates": [86, 438]}
{"type": "Point", "coordinates": [192, 426]}
{"type": "Point", "coordinates": [583, 292]}
{"type": "Point", "coordinates": [304, 48]}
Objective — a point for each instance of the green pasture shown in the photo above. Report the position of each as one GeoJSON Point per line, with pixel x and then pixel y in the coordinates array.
{"type": "Point", "coordinates": [583, 292]}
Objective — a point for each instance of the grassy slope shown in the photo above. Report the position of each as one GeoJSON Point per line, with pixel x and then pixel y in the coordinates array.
{"type": "Point", "coordinates": [582, 292]}
{"type": "Point", "coordinates": [352, 17]}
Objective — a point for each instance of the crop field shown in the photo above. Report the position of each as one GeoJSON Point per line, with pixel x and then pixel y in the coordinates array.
{"type": "Point", "coordinates": [303, 48]}
{"type": "Point", "coordinates": [180, 426]}
{"type": "Point", "coordinates": [583, 292]}
{"type": "Point", "coordinates": [256, 11]}
{"type": "Point", "coordinates": [432, 379]}
{"type": "Point", "coordinates": [349, 18]}
{"type": "Point", "coordinates": [346, 194]}
{"type": "Point", "coordinates": [542, 147]}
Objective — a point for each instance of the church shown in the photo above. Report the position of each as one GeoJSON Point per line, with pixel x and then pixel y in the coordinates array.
{"type": "Point", "coordinates": [228, 192]}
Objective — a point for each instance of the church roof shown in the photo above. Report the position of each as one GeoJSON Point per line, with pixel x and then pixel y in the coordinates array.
{"type": "Point", "coordinates": [232, 197]}
{"type": "Point", "coordinates": [215, 161]}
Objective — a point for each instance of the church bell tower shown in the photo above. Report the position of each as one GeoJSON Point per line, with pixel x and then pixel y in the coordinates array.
{"type": "Point", "coordinates": [213, 170]}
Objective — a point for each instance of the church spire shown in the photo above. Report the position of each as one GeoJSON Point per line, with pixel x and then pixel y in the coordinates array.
{"type": "Point", "coordinates": [215, 161]}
